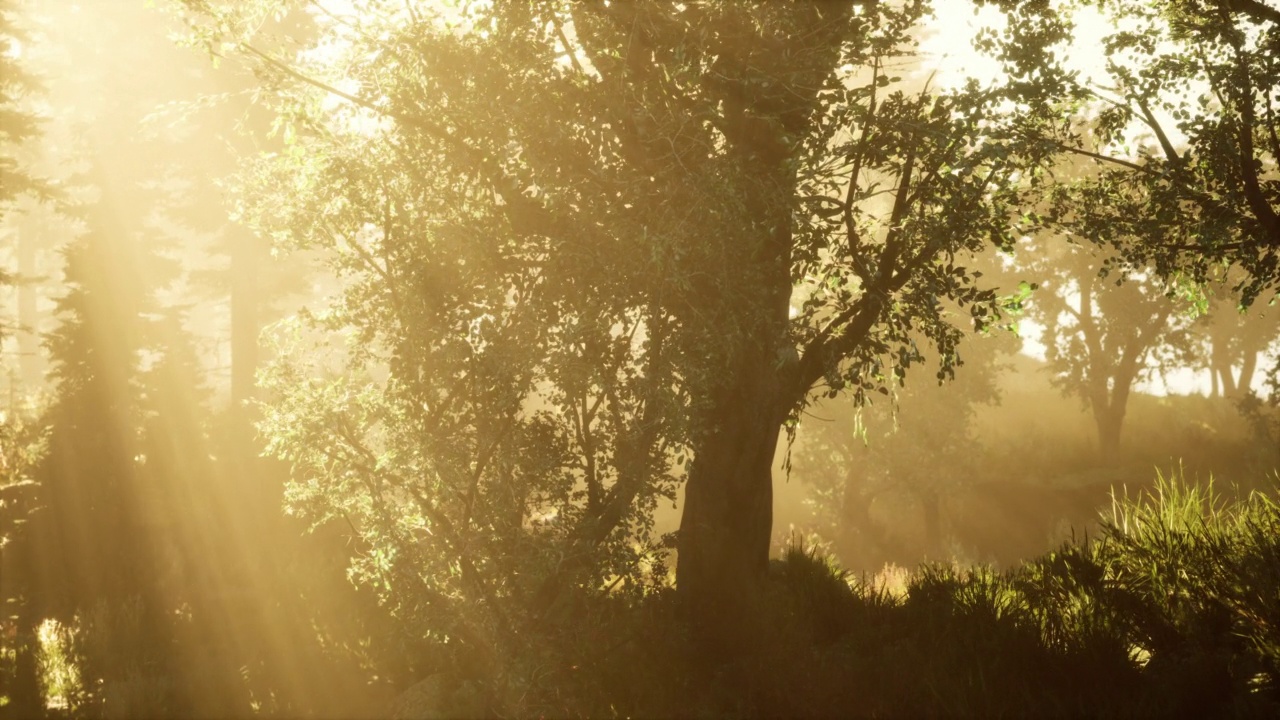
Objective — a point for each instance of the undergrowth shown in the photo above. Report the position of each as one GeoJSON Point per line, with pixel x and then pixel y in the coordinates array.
{"type": "Point", "coordinates": [1172, 611]}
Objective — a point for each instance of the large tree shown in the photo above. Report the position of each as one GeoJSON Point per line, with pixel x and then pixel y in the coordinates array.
{"type": "Point", "coordinates": [671, 224]}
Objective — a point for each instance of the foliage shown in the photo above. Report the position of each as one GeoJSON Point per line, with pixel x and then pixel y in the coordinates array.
{"type": "Point", "coordinates": [1170, 614]}
{"type": "Point", "coordinates": [571, 259]}
{"type": "Point", "coordinates": [23, 442]}
{"type": "Point", "coordinates": [18, 123]}
{"type": "Point", "coordinates": [908, 452]}
{"type": "Point", "coordinates": [1183, 126]}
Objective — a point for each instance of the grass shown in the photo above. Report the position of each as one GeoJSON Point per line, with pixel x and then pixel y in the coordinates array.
{"type": "Point", "coordinates": [1172, 611]}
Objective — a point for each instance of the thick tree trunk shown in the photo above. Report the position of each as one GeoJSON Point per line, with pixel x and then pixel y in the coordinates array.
{"type": "Point", "coordinates": [1110, 423]}
{"type": "Point", "coordinates": [727, 523]}
{"type": "Point", "coordinates": [769, 99]}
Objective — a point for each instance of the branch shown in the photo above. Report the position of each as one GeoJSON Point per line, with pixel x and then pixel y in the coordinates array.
{"type": "Point", "coordinates": [851, 228]}
{"type": "Point", "coordinates": [517, 205]}
{"type": "Point", "coordinates": [573, 57]}
{"type": "Point", "coordinates": [1254, 10]}
{"type": "Point", "coordinates": [1174, 159]}
{"type": "Point", "coordinates": [1262, 210]}
{"type": "Point", "coordinates": [1205, 201]}
{"type": "Point", "coordinates": [893, 238]}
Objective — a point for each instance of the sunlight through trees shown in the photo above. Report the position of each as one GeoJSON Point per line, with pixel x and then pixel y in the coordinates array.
{"type": "Point", "coordinates": [423, 358]}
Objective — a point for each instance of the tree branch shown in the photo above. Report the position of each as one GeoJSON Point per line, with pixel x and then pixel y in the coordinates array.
{"type": "Point", "coordinates": [1174, 159]}
{"type": "Point", "coordinates": [525, 214]}
{"type": "Point", "coordinates": [1254, 10]}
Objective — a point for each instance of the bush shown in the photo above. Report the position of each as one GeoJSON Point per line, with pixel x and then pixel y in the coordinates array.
{"type": "Point", "coordinates": [1173, 611]}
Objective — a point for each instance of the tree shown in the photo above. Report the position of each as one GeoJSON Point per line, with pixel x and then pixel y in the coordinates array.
{"type": "Point", "coordinates": [18, 124]}
{"type": "Point", "coordinates": [913, 451]}
{"type": "Point", "coordinates": [1232, 338]}
{"type": "Point", "coordinates": [1185, 117]}
{"type": "Point", "coordinates": [1102, 334]}
{"type": "Point", "coordinates": [673, 224]}
{"type": "Point", "coordinates": [95, 546]}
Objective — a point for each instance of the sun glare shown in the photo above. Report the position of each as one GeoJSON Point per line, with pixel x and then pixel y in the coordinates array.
{"type": "Point", "coordinates": [428, 358]}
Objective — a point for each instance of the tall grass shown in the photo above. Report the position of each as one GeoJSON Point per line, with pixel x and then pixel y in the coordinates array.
{"type": "Point", "coordinates": [1172, 611]}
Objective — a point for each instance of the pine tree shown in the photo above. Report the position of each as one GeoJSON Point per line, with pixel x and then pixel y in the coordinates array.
{"type": "Point", "coordinates": [93, 546]}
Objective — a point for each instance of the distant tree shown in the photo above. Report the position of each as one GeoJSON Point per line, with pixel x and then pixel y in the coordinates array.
{"type": "Point", "coordinates": [124, 486]}
{"type": "Point", "coordinates": [1104, 333]}
{"type": "Point", "coordinates": [1232, 339]}
{"type": "Point", "coordinates": [96, 545]}
{"type": "Point", "coordinates": [914, 449]}
{"type": "Point", "coordinates": [18, 123]}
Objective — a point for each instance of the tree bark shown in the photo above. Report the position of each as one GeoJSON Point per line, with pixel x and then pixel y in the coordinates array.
{"type": "Point", "coordinates": [727, 523]}
{"type": "Point", "coordinates": [1110, 423]}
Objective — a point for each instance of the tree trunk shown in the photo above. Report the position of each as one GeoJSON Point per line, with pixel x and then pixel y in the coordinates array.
{"type": "Point", "coordinates": [28, 331]}
{"type": "Point", "coordinates": [931, 507]}
{"type": "Point", "coordinates": [244, 321]}
{"type": "Point", "coordinates": [244, 368]}
{"type": "Point", "coordinates": [862, 543]}
{"type": "Point", "coordinates": [1249, 365]}
{"type": "Point", "coordinates": [1225, 376]}
{"type": "Point", "coordinates": [1110, 421]}
{"type": "Point", "coordinates": [727, 524]}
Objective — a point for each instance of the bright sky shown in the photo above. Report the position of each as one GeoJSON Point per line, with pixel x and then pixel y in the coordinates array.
{"type": "Point", "coordinates": [955, 23]}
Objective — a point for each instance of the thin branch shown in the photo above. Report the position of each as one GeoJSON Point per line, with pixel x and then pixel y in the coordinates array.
{"type": "Point", "coordinates": [573, 57]}
{"type": "Point", "coordinates": [1254, 10]}
{"type": "Point", "coordinates": [1174, 159]}
{"type": "Point", "coordinates": [893, 239]}
{"type": "Point", "coordinates": [521, 210]}
{"type": "Point", "coordinates": [852, 237]}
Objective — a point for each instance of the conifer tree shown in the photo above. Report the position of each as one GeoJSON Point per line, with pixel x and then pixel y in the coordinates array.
{"type": "Point", "coordinates": [90, 479]}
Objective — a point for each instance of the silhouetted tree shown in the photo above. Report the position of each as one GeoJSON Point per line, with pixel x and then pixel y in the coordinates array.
{"type": "Point", "coordinates": [636, 192]}
{"type": "Point", "coordinates": [1103, 335]}
{"type": "Point", "coordinates": [18, 123]}
{"type": "Point", "coordinates": [913, 450]}
{"type": "Point", "coordinates": [96, 545]}
{"type": "Point", "coordinates": [1232, 339]}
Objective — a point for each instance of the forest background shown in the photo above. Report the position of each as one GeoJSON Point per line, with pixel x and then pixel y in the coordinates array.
{"type": "Point", "coordinates": [371, 358]}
